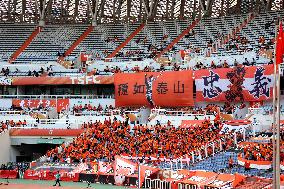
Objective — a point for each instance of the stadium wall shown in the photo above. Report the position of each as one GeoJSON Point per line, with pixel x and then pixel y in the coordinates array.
{"type": "Point", "coordinates": [5, 147]}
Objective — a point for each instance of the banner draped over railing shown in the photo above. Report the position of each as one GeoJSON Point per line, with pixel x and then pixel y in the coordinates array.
{"type": "Point", "coordinates": [47, 171]}
{"type": "Point", "coordinates": [154, 89]}
{"type": "Point", "coordinates": [60, 104]}
{"type": "Point", "coordinates": [234, 84]}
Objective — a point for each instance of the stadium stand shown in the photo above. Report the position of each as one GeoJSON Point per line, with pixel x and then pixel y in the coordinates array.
{"type": "Point", "coordinates": [154, 94]}
{"type": "Point", "coordinates": [50, 42]}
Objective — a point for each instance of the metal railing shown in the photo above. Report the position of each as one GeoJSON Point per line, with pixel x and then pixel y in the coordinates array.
{"type": "Point", "coordinates": [13, 112]}
{"type": "Point", "coordinates": [49, 124]}
{"type": "Point", "coordinates": [94, 113]}
{"type": "Point", "coordinates": [176, 113]}
{"type": "Point", "coordinates": [21, 112]}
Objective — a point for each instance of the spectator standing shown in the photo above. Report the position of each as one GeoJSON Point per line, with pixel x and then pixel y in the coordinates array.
{"type": "Point", "coordinates": [57, 179]}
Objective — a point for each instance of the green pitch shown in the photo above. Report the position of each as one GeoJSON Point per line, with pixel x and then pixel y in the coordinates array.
{"type": "Point", "coordinates": [64, 184]}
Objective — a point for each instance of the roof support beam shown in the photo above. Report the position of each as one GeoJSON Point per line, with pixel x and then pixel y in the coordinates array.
{"type": "Point", "coordinates": [182, 4]}
{"type": "Point", "coordinates": [102, 9]}
{"type": "Point", "coordinates": [93, 10]}
{"type": "Point", "coordinates": [41, 10]}
{"type": "Point", "coordinates": [128, 4]}
{"type": "Point", "coordinates": [150, 8]}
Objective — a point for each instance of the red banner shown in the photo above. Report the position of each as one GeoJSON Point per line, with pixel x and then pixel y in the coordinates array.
{"type": "Point", "coordinates": [154, 89]}
{"type": "Point", "coordinates": [61, 104]}
{"type": "Point", "coordinates": [50, 175]}
{"type": "Point", "coordinates": [234, 84]}
{"type": "Point", "coordinates": [11, 174]}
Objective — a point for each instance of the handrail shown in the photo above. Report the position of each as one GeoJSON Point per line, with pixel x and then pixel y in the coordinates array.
{"type": "Point", "coordinates": [94, 113]}
{"type": "Point", "coordinates": [12, 112]}
{"type": "Point", "coordinates": [54, 123]}
{"type": "Point", "coordinates": [169, 112]}
{"type": "Point", "coordinates": [21, 112]}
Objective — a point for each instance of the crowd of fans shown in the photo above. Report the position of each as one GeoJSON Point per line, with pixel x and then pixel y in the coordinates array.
{"type": "Point", "coordinates": [258, 152]}
{"type": "Point", "coordinates": [239, 43]}
{"type": "Point", "coordinates": [176, 67]}
{"type": "Point", "coordinates": [224, 64]}
{"type": "Point", "coordinates": [20, 167]}
{"type": "Point", "coordinates": [114, 39]}
{"type": "Point", "coordinates": [4, 125]}
{"type": "Point", "coordinates": [15, 166]}
{"type": "Point", "coordinates": [233, 42]}
{"type": "Point", "coordinates": [77, 109]}
{"type": "Point", "coordinates": [24, 110]}
{"type": "Point", "coordinates": [12, 123]}
{"type": "Point", "coordinates": [210, 109]}
{"type": "Point", "coordinates": [105, 140]}
{"type": "Point", "coordinates": [32, 73]}
{"type": "Point", "coordinates": [137, 55]}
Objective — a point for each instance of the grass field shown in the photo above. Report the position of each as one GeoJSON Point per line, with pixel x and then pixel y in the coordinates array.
{"type": "Point", "coordinates": [39, 184]}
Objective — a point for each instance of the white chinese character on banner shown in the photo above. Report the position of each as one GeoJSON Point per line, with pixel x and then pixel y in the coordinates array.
{"type": "Point", "coordinates": [22, 103]}
{"type": "Point", "coordinates": [47, 103]}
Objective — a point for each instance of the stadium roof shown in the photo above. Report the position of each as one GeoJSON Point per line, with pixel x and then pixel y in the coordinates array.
{"type": "Point", "coordinates": [109, 11]}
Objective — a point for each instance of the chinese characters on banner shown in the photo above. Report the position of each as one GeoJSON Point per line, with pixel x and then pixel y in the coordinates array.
{"type": "Point", "coordinates": [235, 84]}
{"type": "Point", "coordinates": [60, 104]}
{"type": "Point", "coordinates": [154, 89]}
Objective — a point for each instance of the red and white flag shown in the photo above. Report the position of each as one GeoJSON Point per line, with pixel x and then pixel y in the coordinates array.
{"type": "Point", "coordinates": [280, 45]}
{"type": "Point", "coordinates": [253, 83]}
{"type": "Point", "coordinates": [105, 167]}
{"type": "Point", "coordinates": [85, 57]}
{"type": "Point", "coordinates": [124, 167]}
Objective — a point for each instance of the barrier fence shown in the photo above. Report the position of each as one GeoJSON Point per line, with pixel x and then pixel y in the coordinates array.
{"type": "Point", "coordinates": [48, 124]}
{"type": "Point", "coordinates": [176, 113]}
{"type": "Point", "coordinates": [160, 184]}
{"type": "Point", "coordinates": [21, 112]}
{"type": "Point", "coordinates": [194, 156]}
{"type": "Point", "coordinates": [157, 184]}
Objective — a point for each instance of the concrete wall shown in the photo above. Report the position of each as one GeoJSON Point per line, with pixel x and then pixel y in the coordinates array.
{"type": "Point", "coordinates": [5, 146]}
{"type": "Point", "coordinates": [14, 152]}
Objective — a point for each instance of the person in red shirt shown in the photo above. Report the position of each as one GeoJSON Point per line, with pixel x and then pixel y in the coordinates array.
{"type": "Point", "coordinates": [247, 166]}
{"type": "Point", "coordinates": [231, 162]}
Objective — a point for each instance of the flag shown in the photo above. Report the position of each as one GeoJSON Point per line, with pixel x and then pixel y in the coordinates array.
{"type": "Point", "coordinates": [279, 45]}
{"type": "Point", "coordinates": [105, 168]}
{"type": "Point", "coordinates": [146, 171]}
{"type": "Point", "coordinates": [84, 57]}
{"type": "Point", "coordinates": [238, 179]}
{"type": "Point", "coordinates": [124, 167]}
